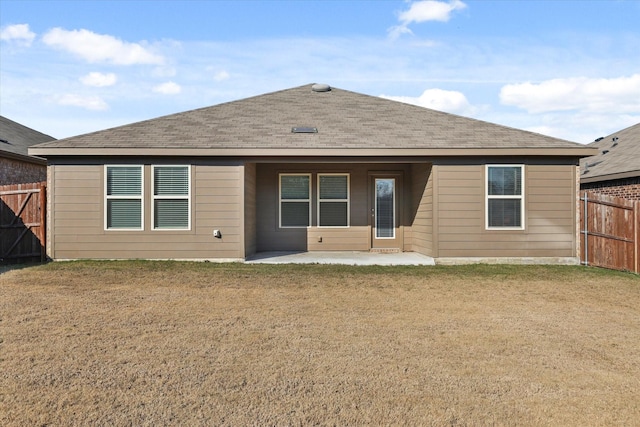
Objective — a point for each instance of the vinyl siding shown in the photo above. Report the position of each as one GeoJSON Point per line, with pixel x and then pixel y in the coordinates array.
{"type": "Point", "coordinates": [250, 226]}
{"type": "Point", "coordinates": [549, 214]}
{"type": "Point", "coordinates": [78, 217]}
{"type": "Point", "coordinates": [421, 215]}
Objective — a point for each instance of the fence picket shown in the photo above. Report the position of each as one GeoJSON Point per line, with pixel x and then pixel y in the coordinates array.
{"type": "Point", "coordinates": [610, 231]}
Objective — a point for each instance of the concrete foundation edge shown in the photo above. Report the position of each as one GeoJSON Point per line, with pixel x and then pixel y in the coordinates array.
{"type": "Point", "coordinates": [509, 260]}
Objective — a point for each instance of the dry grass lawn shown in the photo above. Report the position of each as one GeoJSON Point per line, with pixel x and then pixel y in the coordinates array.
{"type": "Point", "coordinates": [164, 343]}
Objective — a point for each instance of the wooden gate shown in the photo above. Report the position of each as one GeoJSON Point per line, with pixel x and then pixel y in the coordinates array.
{"type": "Point", "coordinates": [23, 222]}
{"type": "Point", "coordinates": [609, 232]}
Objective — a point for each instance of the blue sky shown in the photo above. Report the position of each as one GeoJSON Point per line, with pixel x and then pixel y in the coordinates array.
{"type": "Point", "coordinates": [569, 69]}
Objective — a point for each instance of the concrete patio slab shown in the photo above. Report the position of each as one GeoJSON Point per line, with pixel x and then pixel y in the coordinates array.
{"type": "Point", "coordinates": [345, 258]}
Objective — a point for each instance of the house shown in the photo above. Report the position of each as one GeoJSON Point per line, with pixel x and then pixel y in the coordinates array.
{"type": "Point", "coordinates": [615, 169]}
{"type": "Point", "coordinates": [313, 168]}
{"type": "Point", "coordinates": [16, 165]}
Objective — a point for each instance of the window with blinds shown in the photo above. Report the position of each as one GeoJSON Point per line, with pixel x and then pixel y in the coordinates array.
{"type": "Point", "coordinates": [505, 197]}
{"type": "Point", "coordinates": [123, 196]}
{"type": "Point", "coordinates": [333, 200]}
{"type": "Point", "coordinates": [171, 197]}
{"type": "Point", "coordinates": [295, 200]}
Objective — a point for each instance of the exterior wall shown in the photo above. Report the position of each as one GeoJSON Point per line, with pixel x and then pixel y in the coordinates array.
{"type": "Point", "coordinates": [17, 172]}
{"type": "Point", "coordinates": [627, 188]}
{"type": "Point", "coordinates": [422, 209]}
{"type": "Point", "coordinates": [77, 217]}
{"type": "Point", "coordinates": [357, 237]}
{"type": "Point", "coordinates": [550, 214]}
{"type": "Point", "coordinates": [250, 214]}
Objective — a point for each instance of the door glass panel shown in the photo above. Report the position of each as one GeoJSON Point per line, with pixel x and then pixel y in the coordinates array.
{"type": "Point", "coordinates": [385, 208]}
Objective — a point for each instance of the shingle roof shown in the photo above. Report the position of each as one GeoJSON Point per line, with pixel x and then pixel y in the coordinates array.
{"type": "Point", "coordinates": [618, 157]}
{"type": "Point", "coordinates": [16, 139]}
{"type": "Point", "coordinates": [344, 119]}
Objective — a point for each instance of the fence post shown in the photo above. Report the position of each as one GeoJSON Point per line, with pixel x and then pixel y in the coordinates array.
{"type": "Point", "coordinates": [43, 222]}
{"type": "Point", "coordinates": [636, 235]}
{"type": "Point", "coordinates": [585, 229]}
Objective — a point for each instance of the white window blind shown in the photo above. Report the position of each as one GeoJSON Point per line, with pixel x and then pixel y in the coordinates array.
{"type": "Point", "coordinates": [171, 197]}
{"type": "Point", "coordinates": [123, 196]}
{"type": "Point", "coordinates": [333, 200]}
{"type": "Point", "coordinates": [295, 199]}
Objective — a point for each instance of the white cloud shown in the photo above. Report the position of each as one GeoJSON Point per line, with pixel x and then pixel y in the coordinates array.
{"type": "Point", "coordinates": [423, 11]}
{"type": "Point", "coordinates": [430, 10]}
{"type": "Point", "coordinates": [220, 76]}
{"type": "Point", "coordinates": [99, 79]}
{"type": "Point", "coordinates": [438, 99]}
{"type": "Point", "coordinates": [96, 48]}
{"type": "Point", "coordinates": [168, 88]}
{"type": "Point", "coordinates": [620, 95]}
{"type": "Point", "coordinates": [19, 33]}
{"type": "Point", "coordinates": [94, 103]}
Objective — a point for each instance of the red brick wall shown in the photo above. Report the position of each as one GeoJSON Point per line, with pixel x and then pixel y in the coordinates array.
{"type": "Point", "coordinates": [626, 188]}
{"type": "Point", "coordinates": [631, 191]}
{"type": "Point", "coordinates": [17, 172]}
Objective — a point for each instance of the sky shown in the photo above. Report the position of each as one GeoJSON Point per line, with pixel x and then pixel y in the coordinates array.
{"type": "Point", "coordinates": [568, 69]}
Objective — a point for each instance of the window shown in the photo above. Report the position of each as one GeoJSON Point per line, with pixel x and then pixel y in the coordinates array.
{"type": "Point", "coordinates": [171, 198]}
{"type": "Point", "coordinates": [505, 197]}
{"type": "Point", "coordinates": [333, 200]}
{"type": "Point", "coordinates": [123, 194]}
{"type": "Point", "coordinates": [295, 200]}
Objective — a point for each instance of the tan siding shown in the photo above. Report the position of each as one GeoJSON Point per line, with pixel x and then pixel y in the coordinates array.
{"type": "Point", "coordinates": [338, 239]}
{"type": "Point", "coordinates": [422, 209]}
{"type": "Point", "coordinates": [549, 214]}
{"type": "Point", "coordinates": [78, 218]}
{"type": "Point", "coordinates": [250, 227]}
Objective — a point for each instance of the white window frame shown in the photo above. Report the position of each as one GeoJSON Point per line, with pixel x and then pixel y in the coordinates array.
{"type": "Point", "coordinates": [503, 197]}
{"type": "Point", "coordinates": [348, 200]}
{"type": "Point", "coordinates": [108, 197]}
{"type": "Point", "coordinates": [154, 197]}
{"type": "Point", "coordinates": [281, 200]}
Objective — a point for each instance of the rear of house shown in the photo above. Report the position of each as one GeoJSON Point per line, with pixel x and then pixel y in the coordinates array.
{"type": "Point", "coordinates": [313, 168]}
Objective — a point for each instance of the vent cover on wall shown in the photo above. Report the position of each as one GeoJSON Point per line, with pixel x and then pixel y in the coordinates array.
{"type": "Point", "coordinates": [304, 129]}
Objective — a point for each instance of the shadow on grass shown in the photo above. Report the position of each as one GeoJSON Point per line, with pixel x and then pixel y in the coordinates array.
{"type": "Point", "coordinates": [19, 266]}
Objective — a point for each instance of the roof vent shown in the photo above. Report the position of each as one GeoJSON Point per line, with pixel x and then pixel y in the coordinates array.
{"type": "Point", "coordinates": [605, 151]}
{"type": "Point", "coordinates": [304, 129]}
{"type": "Point", "coordinates": [615, 141]}
{"type": "Point", "coordinates": [590, 165]}
{"type": "Point", "coordinates": [4, 141]}
{"type": "Point", "coordinates": [599, 139]}
{"type": "Point", "coordinates": [320, 87]}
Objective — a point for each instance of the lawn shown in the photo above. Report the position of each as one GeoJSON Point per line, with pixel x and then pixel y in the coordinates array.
{"type": "Point", "coordinates": [168, 343]}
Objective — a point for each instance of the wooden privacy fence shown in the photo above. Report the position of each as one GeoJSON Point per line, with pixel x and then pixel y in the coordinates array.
{"type": "Point", "coordinates": [609, 232]}
{"type": "Point", "coordinates": [23, 222]}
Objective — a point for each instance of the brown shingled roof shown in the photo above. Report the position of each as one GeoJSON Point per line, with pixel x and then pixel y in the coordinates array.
{"type": "Point", "coordinates": [15, 140]}
{"type": "Point", "coordinates": [345, 121]}
{"type": "Point", "coordinates": [618, 157]}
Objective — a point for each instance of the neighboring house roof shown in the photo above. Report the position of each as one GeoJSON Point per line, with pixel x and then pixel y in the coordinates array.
{"type": "Point", "coordinates": [15, 140]}
{"type": "Point", "coordinates": [618, 157]}
{"type": "Point", "coordinates": [347, 124]}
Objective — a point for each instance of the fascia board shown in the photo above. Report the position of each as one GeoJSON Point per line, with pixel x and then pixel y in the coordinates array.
{"type": "Point", "coordinates": [305, 152]}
